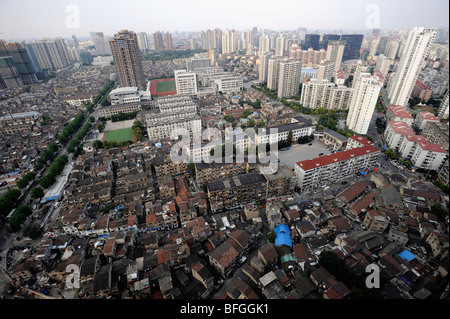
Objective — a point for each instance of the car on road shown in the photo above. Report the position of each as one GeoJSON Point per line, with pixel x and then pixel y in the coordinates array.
{"type": "Point", "coordinates": [320, 154]}
{"type": "Point", "coordinates": [343, 183]}
{"type": "Point", "coordinates": [310, 144]}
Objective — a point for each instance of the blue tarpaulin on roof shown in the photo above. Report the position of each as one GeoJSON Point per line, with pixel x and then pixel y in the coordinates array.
{"type": "Point", "coordinates": [406, 254]}
{"type": "Point", "coordinates": [283, 237]}
{"type": "Point", "coordinates": [51, 198]}
{"type": "Point", "coordinates": [363, 173]}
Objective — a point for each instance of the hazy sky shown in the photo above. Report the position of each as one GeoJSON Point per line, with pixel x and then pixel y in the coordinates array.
{"type": "Point", "coordinates": [22, 19]}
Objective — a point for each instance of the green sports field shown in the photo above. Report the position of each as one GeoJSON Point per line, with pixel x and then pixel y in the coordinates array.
{"type": "Point", "coordinates": [165, 86]}
{"type": "Point", "coordinates": [122, 135]}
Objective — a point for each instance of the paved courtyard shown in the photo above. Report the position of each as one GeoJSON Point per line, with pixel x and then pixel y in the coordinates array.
{"type": "Point", "coordinates": [298, 153]}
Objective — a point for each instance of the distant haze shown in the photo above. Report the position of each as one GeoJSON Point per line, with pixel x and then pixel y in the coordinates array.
{"type": "Point", "coordinates": [27, 19]}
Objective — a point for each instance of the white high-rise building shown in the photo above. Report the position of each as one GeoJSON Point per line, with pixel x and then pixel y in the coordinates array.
{"type": "Point", "coordinates": [383, 64]}
{"type": "Point", "coordinates": [279, 46]}
{"type": "Point", "coordinates": [443, 108]}
{"type": "Point", "coordinates": [264, 44]}
{"type": "Point", "coordinates": [325, 94]}
{"type": "Point", "coordinates": [289, 78]}
{"type": "Point", "coordinates": [229, 41]}
{"type": "Point", "coordinates": [416, 49]}
{"type": "Point", "coordinates": [335, 52]}
{"type": "Point", "coordinates": [263, 69]}
{"type": "Point", "coordinates": [143, 43]}
{"type": "Point", "coordinates": [364, 99]}
{"type": "Point", "coordinates": [392, 49]}
{"type": "Point", "coordinates": [273, 72]}
{"type": "Point", "coordinates": [186, 82]}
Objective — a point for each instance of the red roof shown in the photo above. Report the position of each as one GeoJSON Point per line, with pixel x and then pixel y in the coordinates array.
{"type": "Point", "coordinates": [361, 139]}
{"type": "Point", "coordinates": [422, 86]}
{"type": "Point", "coordinates": [400, 111]}
{"type": "Point", "coordinates": [428, 116]}
{"type": "Point", "coordinates": [336, 157]}
{"type": "Point", "coordinates": [402, 128]}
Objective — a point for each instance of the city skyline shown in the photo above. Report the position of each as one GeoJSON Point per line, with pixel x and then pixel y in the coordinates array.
{"type": "Point", "coordinates": [48, 18]}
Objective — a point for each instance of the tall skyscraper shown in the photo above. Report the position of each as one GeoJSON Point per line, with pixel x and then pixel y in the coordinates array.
{"type": "Point", "coordinates": [312, 41]}
{"type": "Point", "coordinates": [391, 49]}
{"type": "Point", "coordinates": [168, 41]}
{"type": "Point", "coordinates": [289, 78]}
{"type": "Point", "coordinates": [279, 46]}
{"type": "Point", "coordinates": [328, 37]}
{"type": "Point", "coordinates": [101, 44]}
{"type": "Point", "coordinates": [263, 66]}
{"type": "Point", "coordinates": [443, 108]}
{"type": "Point", "coordinates": [363, 102]}
{"type": "Point", "coordinates": [335, 52]}
{"type": "Point", "coordinates": [264, 44]}
{"type": "Point", "coordinates": [383, 65]}
{"type": "Point", "coordinates": [273, 72]}
{"type": "Point", "coordinates": [229, 41]}
{"type": "Point", "coordinates": [21, 59]}
{"type": "Point", "coordinates": [127, 60]}
{"type": "Point", "coordinates": [51, 53]}
{"type": "Point", "coordinates": [9, 75]}
{"type": "Point", "coordinates": [353, 44]}
{"type": "Point", "coordinates": [158, 41]}
{"type": "Point", "coordinates": [416, 49]}
{"type": "Point", "coordinates": [143, 43]}
{"type": "Point", "coordinates": [218, 39]}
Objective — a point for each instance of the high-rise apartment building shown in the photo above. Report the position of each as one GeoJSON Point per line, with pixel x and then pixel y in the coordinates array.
{"type": "Point", "coordinates": [443, 108]}
{"type": "Point", "coordinates": [273, 72]}
{"type": "Point", "coordinates": [364, 100]}
{"type": "Point", "coordinates": [289, 78]}
{"type": "Point", "coordinates": [263, 66]}
{"type": "Point", "coordinates": [101, 44]}
{"type": "Point", "coordinates": [264, 44]}
{"type": "Point", "coordinates": [51, 54]}
{"type": "Point", "coordinates": [279, 46]}
{"type": "Point", "coordinates": [127, 60]}
{"type": "Point", "coordinates": [143, 43]}
{"type": "Point", "coordinates": [383, 64]}
{"type": "Point", "coordinates": [229, 41]}
{"type": "Point", "coordinates": [325, 94]}
{"type": "Point", "coordinates": [22, 60]}
{"type": "Point", "coordinates": [335, 52]}
{"type": "Point", "coordinates": [9, 75]}
{"type": "Point", "coordinates": [168, 41]}
{"type": "Point", "coordinates": [158, 41]}
{"type": "Point", "coordinates": [416, 49]}
{"type": "Point", "coordinates": [391, 49]}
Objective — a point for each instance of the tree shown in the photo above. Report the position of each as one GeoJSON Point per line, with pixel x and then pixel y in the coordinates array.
{"type": "Point", "coordinates": [97, 145]}
{"type": "Point", "coordinates": [8, 201]}
{"type": "Point", "coordinates": [91, 119]}
{"type": "Point", "coordinates": [18, 218]}
{"type": "Point", "coordinates": [271, 236]}
{"type": "Point", "coordinates": [37, 192]}
{"type": "Point", "coordinates": [47, 180]}
{"type": "Point", "coordinates": [289, 138]}
{"type": "Point", "coordinates": [32, 231]}
{"type": "Point", "coordinates": [100, 127]}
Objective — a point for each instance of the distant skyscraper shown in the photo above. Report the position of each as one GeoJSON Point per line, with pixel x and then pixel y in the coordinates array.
{"type": "Point", "coordinates": [443, 108]}
{"type": "Point", "coordinates": [383, 65]}
{"type": "Point", "coordinates": [229, 41]}
{"type": "Point", "coordinates": [51, 53]}
{"type": "Point", "coordinates": [302, 33]}
{"type": "Point", "coordinates": [75, 41]}
{"type": "Point", "coordinates": [168, 41]}
{"type": "Point", "coordinates": [335, 52]}
{"type": "Point", "coordinates": [264, 44]}
{"type": "Point", "coordinates": [127, 60]}
{"type": "Point", "coordinates": [279, 46]}
{"type": "Point", "coordinates": [101, 44]}
{"type": "Point", "coordinates": [328, 37]}
{"type": "Point", "coordinates": [391, 49]}
{"type": "Point", "coordinates": [416, 49]}
{"type": "Point", "coordinates": [158, 41]}
{"type": "Point", "coordinates": [9, 75]}
{"type": "Point", "coordinates": [353, 44]}
{"type": "Point", "coordinates": [263, 66]}
{"type": "Point", "coordinates": [289, 78]}
{"type": "Point", "coordinates": [218, 39]}
{"type": "Point", "coordinates": [273, 72]}
{"type": "Point", "coordinates": [143, 43]}
{"type": "Point", "coordinates": [373, 46]}
{"type": "Point", "coordinates": [363, 102]}
{"type": "Point", "coordinates": [21, 59]}
{"type": "Point", "coordinates": [312, 41]}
